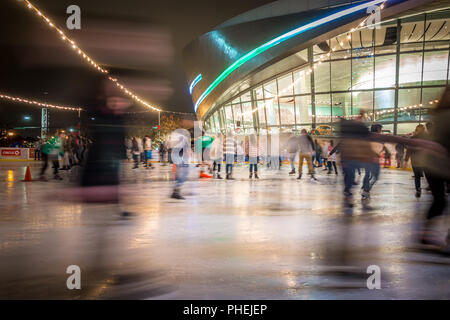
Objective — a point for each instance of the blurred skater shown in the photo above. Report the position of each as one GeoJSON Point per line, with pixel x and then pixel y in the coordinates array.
{"type": "Point", "coordinates": [253, 153]}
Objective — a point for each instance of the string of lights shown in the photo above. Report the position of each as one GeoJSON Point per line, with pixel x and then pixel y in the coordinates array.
{"type": "Point", "coordinates": [72, 44]}
{"type": "Point", "coordinates": [37, 103]}
{"type": "Point", "coordinates": [164, 111]}
{"type": "Point", "coordinates": [64, 107]}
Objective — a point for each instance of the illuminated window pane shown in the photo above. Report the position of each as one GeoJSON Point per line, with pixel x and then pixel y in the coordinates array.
{"type": "Point", "coordinates": [341, 46]}
{"type": "Point", "coordinates": [437, 34]}
{"type": "Point", "coordinates": [412, 29]}
{"type": "Point", "coordinates": [261, 113]}
{"type": "Point", "coordinates": [273, 116]}
{"type": "Point", "coordinates": [287, 111]}
{"type": "Point", "coordinates": [429, 98]}
{"type": "Point", "coordinates": [384, 105]}
{"type": "Point", "coordinates": [285, 85]}
{"type": "Point", "coordinates": [363, 100]}
{"type": "Point", "coordinates": [340, 75]}
{"type": "Point", "coordinates": [270, 89]}
{"type": "Point", "coordinates": [229, 117]}
{"type": "Point", "coordinates": [342, 105]}
{"type": "Point", "coordinates": [258, 93]}
{"type": "Point", "coordinates": [303, 110]}
{"type": "Point", "coordinates": [237, 115]}
{"type": "Point", "coordinates": [246, 97]}
{"type": "Point", "coordinates": [385, 71]}
{"type": "Point", "coordinates": [410, 73]}
{"type": "Point", "coordinates": [362, 73]}
{"type": "Point", "coordinates": [216, 121]}
{"type": "Point", "coordinates": [322, 77]}
{"type": "Point", "coordinates": [247, 114]}
{"type": "Point", "coordinates": [435, 68]}
{"type": "Point", "coordinates": [323, 108]}
{"type": "Point", "coordinates": [406, 128]}
{"type": "Point", "coordinates": [302, 82]}
{"type": "Point", "coordinates": [385, 37]}
{"type": "Point", "coordinates": [408, 104]}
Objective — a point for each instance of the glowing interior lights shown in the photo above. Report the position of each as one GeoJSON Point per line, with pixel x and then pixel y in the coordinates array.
{"type": "Point", "coordinates": [266, 46]}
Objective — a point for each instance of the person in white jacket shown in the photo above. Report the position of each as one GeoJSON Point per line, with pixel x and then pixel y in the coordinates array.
{"type": "Point", "coordinates": [253, 153]}
{"type": "Point", "coordinates": [240, 152]}
{"type": "Point", "coordinates": [217, 155]}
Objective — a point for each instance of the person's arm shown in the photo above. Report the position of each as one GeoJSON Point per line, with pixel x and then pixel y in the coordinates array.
{"type": "Point", "coordinates": [335, 149]}
{"type": "Point", "coordinates": [425, 145]}
{"type": "Point", "coordinates": [311, 142]}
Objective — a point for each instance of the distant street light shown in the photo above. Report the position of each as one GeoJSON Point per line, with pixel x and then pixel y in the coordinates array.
{"type": "Point", "coordinates": [10, 134]}
{"type": "Point", "coordinates": [26, 118]}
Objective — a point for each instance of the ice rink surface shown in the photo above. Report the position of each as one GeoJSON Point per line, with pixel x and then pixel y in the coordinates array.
{"type": "Point", "coordinates": [272, 238]}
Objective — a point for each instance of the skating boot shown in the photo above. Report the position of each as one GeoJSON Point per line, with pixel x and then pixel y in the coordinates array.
{"type": "Point", "coordinates": [176, 195]}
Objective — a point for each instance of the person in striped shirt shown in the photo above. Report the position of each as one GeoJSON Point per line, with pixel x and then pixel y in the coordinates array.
{"type": "Point", "coordinates": [230, 151]}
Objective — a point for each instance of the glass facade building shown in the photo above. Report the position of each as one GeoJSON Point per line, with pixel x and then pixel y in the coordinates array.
{"type": "Point", "coordinates": [394, 72]}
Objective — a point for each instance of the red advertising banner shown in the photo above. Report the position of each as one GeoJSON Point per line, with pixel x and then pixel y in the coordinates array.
{"type": "Point", "coordinates": [14, 153]}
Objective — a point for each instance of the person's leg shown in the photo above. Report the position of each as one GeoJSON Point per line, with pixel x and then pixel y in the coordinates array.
{"type": "Point", "coordinates": [325, 164]}
{"type": "Point", "coordinates": [366, 179]}
{"type": "Point", "coordinates": [301, 158]}
{"type": "Point", "coordinates": [291, 160]}
{"type": "Point", "coordinates": [374, 174]}
{"type": "Point", "coordinates": [309, 161]}
{"type": "Point", "coordinates": [55, 166]}
{"type": "Point", "coordinates": [437, 186]}
{"type": "Point", "coordinates": [349, 175]}
{"type": "Point", "coordinates": [418, 174]}
{"type": "Point", "coordinates": [335, 167]}
{"type": "Point", "coordinates": [45, 165]}
{"type": "Point", "coordinates": [180, 177]}
{"type": "Point", "coordinates": [136, 160]}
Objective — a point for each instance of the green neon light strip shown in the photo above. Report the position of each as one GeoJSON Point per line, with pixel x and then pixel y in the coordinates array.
{"type": "Point", "coordinates": [278, 40]}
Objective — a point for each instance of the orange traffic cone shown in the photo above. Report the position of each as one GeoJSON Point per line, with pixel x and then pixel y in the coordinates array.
{"type": "Point", "coordinates": [28, 175]}
{"type": "Point", "coordinates": [174, 168]}
{"type": "Point", "coordinates": [204, 175]}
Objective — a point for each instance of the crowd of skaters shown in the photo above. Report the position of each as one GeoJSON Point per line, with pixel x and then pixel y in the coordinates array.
{"type": "Point", "coordinates": [70, 148]}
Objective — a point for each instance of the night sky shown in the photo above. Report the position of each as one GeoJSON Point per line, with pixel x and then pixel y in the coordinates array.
{"type": "Point", "coordinates": [140, 41]}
